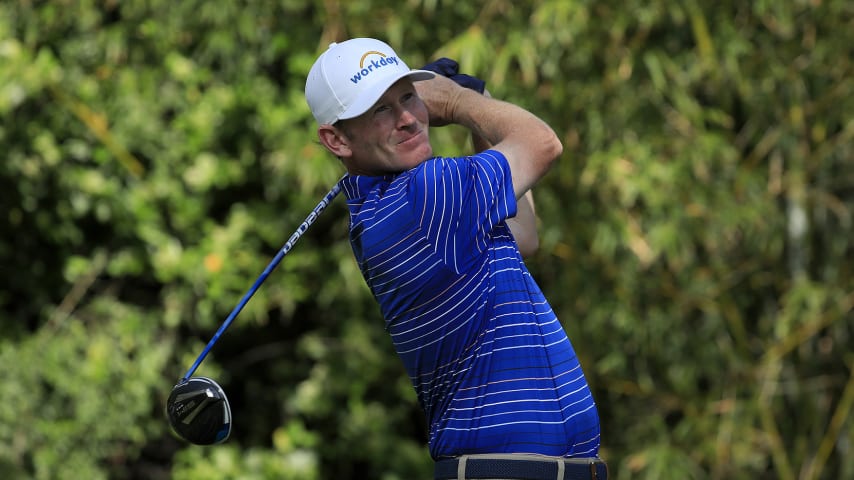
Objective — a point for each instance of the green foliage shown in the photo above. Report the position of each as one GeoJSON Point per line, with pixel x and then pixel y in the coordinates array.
{"type": "Point", "coordinates": [696, 238]}
{"type": "Point", "coordinates": [87, 380]}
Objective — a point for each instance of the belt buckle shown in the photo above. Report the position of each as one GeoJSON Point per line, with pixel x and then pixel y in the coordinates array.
{"type": "Point", "coordinates": [594, 472]}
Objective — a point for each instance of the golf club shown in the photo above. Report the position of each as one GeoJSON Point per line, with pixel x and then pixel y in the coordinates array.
{"type": "Point", "coordinates": [197, 409]}
{"type": "Point", "coordinates": [199, 412]}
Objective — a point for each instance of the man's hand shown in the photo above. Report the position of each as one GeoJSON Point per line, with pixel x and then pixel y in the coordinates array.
{"type": "Point", "coordinates": [442, 113]}
{"type": "Point", "coordinates": [451, 69]}
{"type": "Point", "coordinates": [441, 97]}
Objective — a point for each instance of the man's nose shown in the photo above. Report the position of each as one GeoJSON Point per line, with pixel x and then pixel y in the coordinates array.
{"type": "Point", "coordinates": [405, 118]}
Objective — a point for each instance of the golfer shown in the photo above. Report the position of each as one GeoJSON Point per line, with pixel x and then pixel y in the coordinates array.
{"type": "Point", "coordinates": [439, 240]}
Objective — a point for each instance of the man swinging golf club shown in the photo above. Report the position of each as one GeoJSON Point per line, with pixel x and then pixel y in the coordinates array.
{"type": "Point", "coordinates": [439, 241]}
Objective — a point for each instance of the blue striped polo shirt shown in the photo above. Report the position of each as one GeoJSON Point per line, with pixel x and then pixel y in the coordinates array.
{"type": "Point", "coordinates": [491, 364]}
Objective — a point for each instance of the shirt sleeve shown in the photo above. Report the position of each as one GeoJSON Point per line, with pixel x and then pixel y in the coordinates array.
{"type": "Point", "coordinates": [460, 201]}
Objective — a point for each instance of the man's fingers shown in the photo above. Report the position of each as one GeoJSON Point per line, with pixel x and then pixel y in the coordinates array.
{"type": "Point", "coordinates": [439, 95]}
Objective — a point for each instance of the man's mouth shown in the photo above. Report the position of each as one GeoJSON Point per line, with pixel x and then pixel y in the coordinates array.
{"type": "Point", "coordinates": [411, 138]}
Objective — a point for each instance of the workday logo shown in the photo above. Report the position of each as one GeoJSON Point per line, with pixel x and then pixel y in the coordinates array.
{"type": "Point", "coordinates": [367, 65]}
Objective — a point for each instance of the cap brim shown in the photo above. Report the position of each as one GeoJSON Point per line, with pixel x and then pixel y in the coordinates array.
{"type": "Point", "coordinates": [370, 96]}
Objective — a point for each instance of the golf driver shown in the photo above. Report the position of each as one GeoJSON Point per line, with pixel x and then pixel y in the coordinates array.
{"type": "Point", "coordinates": [197, 409]}
{"type": "Point", "coordinates": [199, 412]}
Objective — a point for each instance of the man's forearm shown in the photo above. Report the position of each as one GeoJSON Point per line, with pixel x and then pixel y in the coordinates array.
{"type": "Point", "coordinates": [528, 143]}
{"type": "Point", "coordinates": [524, 225]}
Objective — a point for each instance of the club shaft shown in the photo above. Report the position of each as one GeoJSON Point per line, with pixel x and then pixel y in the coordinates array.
{"type": "Point", "coordinates": [270, 267]}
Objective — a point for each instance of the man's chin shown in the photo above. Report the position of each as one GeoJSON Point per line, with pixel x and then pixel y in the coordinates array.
{"type": "Point", "coordinates": [424, 156]}
{"type": "Point", "coordinates": [417, 154]}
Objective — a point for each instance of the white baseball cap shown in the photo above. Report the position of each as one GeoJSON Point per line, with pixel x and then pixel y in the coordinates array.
{"type": "Point", "coordinates": [349, 77]}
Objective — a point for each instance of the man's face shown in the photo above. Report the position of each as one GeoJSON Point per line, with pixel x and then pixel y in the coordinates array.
{"type": "Point", "coordinates": [391, 137]}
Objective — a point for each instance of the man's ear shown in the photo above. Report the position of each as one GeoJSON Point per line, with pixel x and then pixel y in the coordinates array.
{"type": "Point", "coordinates": [334, 140]}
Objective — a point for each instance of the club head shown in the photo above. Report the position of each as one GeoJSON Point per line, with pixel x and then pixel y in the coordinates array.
{"type": "Point", "coordinates": [198, 411]}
